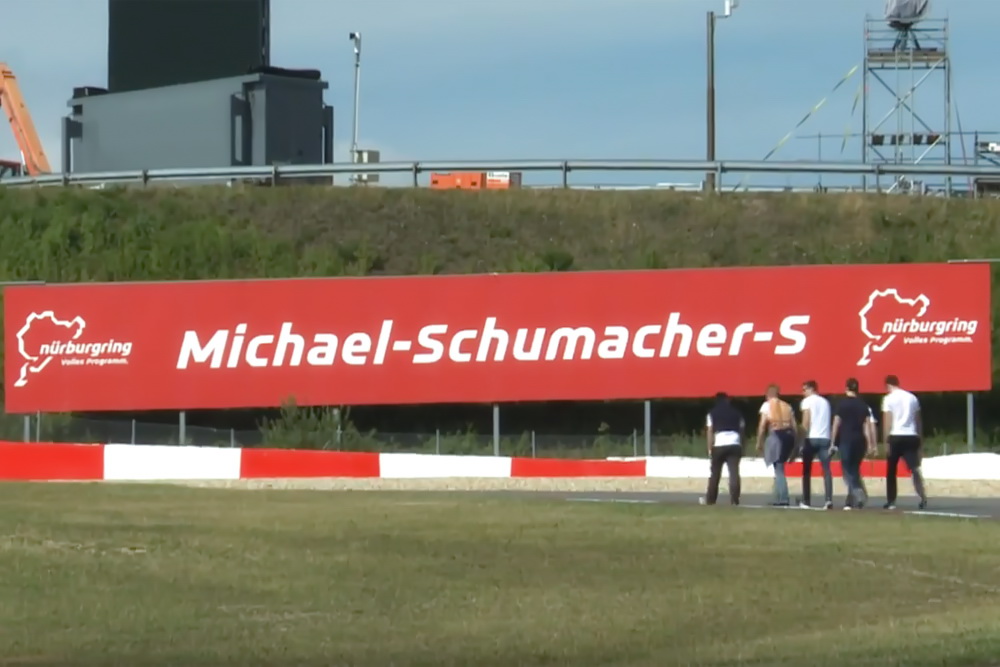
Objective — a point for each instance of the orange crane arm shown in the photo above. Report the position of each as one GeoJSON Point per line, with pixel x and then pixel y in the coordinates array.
{"type": "Point", "coordinates": [12, 102]}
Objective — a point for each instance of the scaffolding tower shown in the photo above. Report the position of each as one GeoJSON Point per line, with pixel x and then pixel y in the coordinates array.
{"type": "Point", "coordinates": [899, 126]}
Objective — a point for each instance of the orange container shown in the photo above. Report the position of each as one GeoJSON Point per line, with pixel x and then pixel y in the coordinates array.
{"type": "Point", "coordinates": [461, 180]}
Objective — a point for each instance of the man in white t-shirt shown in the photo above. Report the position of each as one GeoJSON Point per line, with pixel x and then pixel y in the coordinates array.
{"type": "Point", "coordinates": [816, 419]}
{"type": "Point", "coordinates": [902, 430]}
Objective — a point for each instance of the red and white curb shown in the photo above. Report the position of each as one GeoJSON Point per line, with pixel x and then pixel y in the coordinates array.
{"type": "Point", "coordinates": [114, 462]}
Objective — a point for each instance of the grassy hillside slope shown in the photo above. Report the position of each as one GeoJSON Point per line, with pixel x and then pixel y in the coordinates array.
{"type": "Point", "coordinates": [85, 235]}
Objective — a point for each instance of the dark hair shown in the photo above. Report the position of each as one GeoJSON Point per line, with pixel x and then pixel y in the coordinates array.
{"type": "Point", "coordinates": [892, 380]}
{"type": "Point", "coordinates": [722, 396]}
{"type": "Point", "coordinates": [811, 384]}
{"type": "Point", "coordinates": [852, 385]}
{"type": "Point", "coordinates": [774, 388]}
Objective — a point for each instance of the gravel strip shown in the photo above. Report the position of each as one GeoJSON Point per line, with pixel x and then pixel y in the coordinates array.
{"type": "Point", "coordinates": [876, 487]}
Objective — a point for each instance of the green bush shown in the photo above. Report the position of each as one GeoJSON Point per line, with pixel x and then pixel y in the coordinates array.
{"type": "Point", "coordinates": [62, 234]}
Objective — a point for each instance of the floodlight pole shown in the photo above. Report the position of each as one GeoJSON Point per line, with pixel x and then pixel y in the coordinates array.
{"type": "Point", "coordinates": [730, 5]}
{"type": "Point", "coordinates": [356, 38]}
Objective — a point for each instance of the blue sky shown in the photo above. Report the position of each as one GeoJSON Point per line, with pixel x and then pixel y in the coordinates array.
{"type": "Point", "coordinates": [550, 79]}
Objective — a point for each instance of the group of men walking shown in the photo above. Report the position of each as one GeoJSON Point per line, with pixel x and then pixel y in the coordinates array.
{"type": "Point", "coordinates": [849, 429]}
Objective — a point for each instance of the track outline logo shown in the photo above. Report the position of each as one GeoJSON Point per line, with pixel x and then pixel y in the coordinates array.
{"type": "Point", "coordinates": [73, 353]}
{"type": "Point", "coordinates": [915, 327]}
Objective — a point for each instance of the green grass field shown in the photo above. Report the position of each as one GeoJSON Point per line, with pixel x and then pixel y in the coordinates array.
{"type": "Point", "coordinates": [144, 575]}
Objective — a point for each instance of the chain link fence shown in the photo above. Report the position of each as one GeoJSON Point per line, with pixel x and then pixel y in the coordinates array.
{"type": "Point", "coordinates": [62, 428]}
{"type": "Point", "coordinates": [59, 428]}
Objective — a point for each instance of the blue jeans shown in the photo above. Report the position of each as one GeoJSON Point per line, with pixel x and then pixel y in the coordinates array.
{"type": "Point", "coordinates": [780, 482]}
{"type": "Point", "coordinates": [851, 455]}
{"type": "Point", "coordinates": [787, 438]}
{"type": "Point", "coordinates": [816, 448]}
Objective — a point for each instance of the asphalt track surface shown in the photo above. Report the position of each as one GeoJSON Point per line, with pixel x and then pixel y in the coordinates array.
{"type": "Point", "coordinates": [956, 508]}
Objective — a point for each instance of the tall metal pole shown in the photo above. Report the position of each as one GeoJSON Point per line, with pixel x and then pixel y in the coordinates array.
{"type": "Point", "coordinates": [864, 110]}
{"type": "Point", "coordinates": [356, 38]}
{"type": "Point", "coordinates": [947, 106]}
{"type": "Point", "coordinates": [730, 5]}
{"type": "Point", "coordinates": [819, 155]}
{"type": "Point", "coordinates": [710, 100]}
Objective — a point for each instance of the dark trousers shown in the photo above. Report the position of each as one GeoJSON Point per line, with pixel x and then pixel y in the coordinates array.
{"type": "Point", "coordinates": [852, 453]}
{"type": "Point", "coordinates": [908, 448]}
{"type": "Point", "coordinates": [728, 455]}
{"type": "Point", "coordinates": [816, 448]}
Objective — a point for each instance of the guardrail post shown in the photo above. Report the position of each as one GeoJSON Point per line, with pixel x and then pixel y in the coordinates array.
{"type": "Point", "coordinates": [27, 428]}
{"type": "Point", "coordinates": [133, 431]}
{"type": "Point", "coordinates": [182, 428]}
{"type": "Point", "coordinates": [533, 450]}
{"type": "Point", "coordinates": [416, 174]}
{"type": "Point", "coordinates": [565, 175]}
{"type": "Point", "coordinates": [145, 177]}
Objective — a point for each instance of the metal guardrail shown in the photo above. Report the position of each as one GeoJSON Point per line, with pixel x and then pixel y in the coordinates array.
{"type": "Point", "coordinates": [563, 167]}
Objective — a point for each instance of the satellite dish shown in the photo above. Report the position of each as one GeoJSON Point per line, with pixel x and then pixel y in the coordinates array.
{"type": "Point", "coordinates": [902, 14]}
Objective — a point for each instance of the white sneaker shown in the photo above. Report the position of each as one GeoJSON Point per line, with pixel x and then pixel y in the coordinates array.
{"type": "Point", "coordinates": [847, 508]}
{"type": "Point", "coordinates": [828, 505]}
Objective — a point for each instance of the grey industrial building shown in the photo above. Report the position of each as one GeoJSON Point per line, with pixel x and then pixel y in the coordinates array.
{"type": "Point", "coordinates": [271, 117]}
{"type": "Point", "coordinates": [190, 85]}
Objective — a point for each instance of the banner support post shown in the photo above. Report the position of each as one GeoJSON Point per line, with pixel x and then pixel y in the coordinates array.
{"type": "Point", "coordinates": [182, 426]}
{"type": "Point", "coordinates": [970, 421]}
{"type": "Point", "coordinates": [646, 427]}
{"type": "Point", "coordinates": [970, 400]}
{"type": "Point", "coordinates": [27, 428]}
{"type": "Point", "coordinates": [496, 429]}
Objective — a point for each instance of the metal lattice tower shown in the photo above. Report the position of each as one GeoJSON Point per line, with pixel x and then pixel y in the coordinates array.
{"type": "Point", "coordinates": [907, 97]}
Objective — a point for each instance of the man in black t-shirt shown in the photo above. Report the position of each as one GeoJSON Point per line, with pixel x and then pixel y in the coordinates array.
{"type": "Point", "coordinates": [852, 433]}
{"type": "Point", "coordinates": [724, 429]}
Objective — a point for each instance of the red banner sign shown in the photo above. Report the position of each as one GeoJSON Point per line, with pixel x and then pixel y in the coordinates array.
{"type": "Point", "coordinates": [494, 338]}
